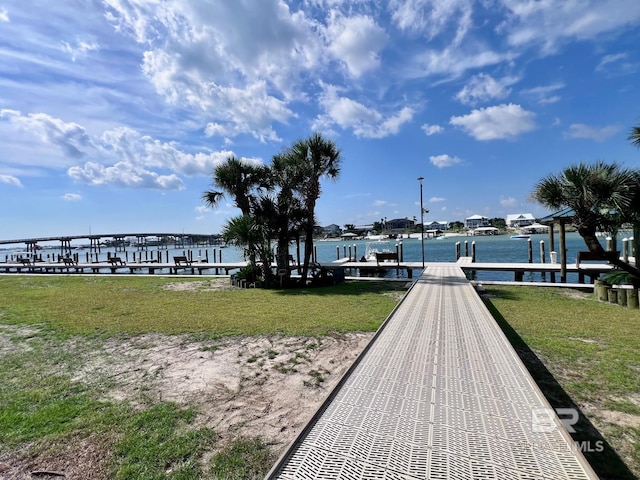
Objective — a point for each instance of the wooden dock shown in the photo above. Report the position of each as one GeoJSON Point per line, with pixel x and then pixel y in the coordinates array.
{"type": "Point", "coordinates": [586, 272]}
{"type": "Point", "coordinates": [439, 393]}
{"type": "Point", "coordinates": [194, 268]}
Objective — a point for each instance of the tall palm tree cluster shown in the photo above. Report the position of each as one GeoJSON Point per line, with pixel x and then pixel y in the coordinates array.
{"type": "Point", "coordinates": [277, 202]}
{"type": "Point", "coordinates": [602, 196]}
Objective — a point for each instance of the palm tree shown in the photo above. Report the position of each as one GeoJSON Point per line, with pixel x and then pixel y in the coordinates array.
{"type": "Point", "coordinates": [242, 231]}
{"type": "Point", "coordinates": [238, 179]}
{"type": "Point", "coordinates": [287, 208]}
{"type": "Point", "coordinates": [634, 136]}
{"type": "Point", "coordinates": [601, 195]}
{"type": "Point", "coordinates": [314, 158]}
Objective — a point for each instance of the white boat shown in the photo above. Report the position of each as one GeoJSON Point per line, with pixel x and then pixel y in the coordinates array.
{"type": "Point", "coordinates": [516, 237]}
{"type": "Point", "coordinates": [380, 246]}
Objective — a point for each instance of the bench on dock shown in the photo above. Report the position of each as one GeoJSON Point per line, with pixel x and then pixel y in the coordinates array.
{"type": "Point", "coordinates": [116, 261]}
{"type": "Point", "coordinates": [605, 256]}
{"type": "Point", "coordinates": [69, 262]}
{"type": "Point", "coordinates": [26, 262]}
{"type": "Point", "coordinates": [182, 261]}
{"type": "Point", "coordinates": [385, 256]}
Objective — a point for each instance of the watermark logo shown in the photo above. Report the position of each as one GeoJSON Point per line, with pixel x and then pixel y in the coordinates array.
{"type": "Point", "coordinates": [545, 420]}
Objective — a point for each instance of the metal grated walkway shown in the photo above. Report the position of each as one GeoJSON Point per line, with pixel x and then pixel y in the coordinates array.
{"type": "Point", "coordinates": [438, 394]}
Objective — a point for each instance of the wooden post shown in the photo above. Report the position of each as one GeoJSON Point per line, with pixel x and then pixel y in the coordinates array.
{"type": "Point", "coordinates": [600, 290]}
{"type": "Point", "coordinates": [401, 252]}
{"type": "Point", "coordinates": [625, 250]}
{"type": "Point", "coordinates": [337, 252]}
{"type": "Point", "coordinates": [473, 251]}
{"type": "Point", "coordinates": [622, 297]}
{"type": "Point", "coordinates": [355, 252]}
{"type": "Point", "coordinates": [552, 247]}
{"type": "Point", "coordinates": [542, 259]}
{"type": "Point", "coordinates": [563, 254]}
{"type": "Point", "coordinates": [612, 295]}
{"type": "Point", "coordinates": [530, 250]}
{"type": "Point", "coordinates": [466, 248]}
{"type": "Point", "coordinates": [349, 252]}
{"type": "Point", "coordinates": [632, 298]}
{"type": "Point", "coordinates": [457, 251]}
{"type": "Point", "coordinates": [636, 244]}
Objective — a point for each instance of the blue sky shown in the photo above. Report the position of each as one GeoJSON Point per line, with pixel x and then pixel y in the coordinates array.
{"type": "Point", "coordinates": [114, 113]}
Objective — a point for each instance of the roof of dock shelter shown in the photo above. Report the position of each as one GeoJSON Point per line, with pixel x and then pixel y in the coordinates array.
{"type": "Point", "coordinates": [564, 216]}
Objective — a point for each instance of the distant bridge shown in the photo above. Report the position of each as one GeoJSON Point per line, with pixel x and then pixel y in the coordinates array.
{"type": "Point", "coordinates": [118, 239]}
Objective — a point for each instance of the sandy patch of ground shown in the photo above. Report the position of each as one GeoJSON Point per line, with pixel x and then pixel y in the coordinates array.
{"type": "Point", "coordinates": [249, 386]}
{"type": "Point", "coordinates": [620, 418]}
{"type": "Point", "coordinates": [266, 387]}
{"type": "Point", "coordinates": [204, 285]}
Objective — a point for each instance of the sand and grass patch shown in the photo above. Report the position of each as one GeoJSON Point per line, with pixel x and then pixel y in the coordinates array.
{"type": "Point", "coordinates": [191, 398]}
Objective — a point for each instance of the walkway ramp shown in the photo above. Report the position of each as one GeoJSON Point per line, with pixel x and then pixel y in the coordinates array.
{"type": "Point", "coordinates": [439, 393]}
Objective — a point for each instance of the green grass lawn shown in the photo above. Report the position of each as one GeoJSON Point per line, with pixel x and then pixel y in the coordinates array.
{"type": "Point", "coordinates": [44, 410]}
{"type": "Point", "coordinates": [592, 351]}
{"type": "Point", "coordinates": [134, 305]}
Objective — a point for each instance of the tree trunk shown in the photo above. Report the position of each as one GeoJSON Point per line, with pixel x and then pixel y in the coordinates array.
{"type": "Point", "coordinates": [283, 259]}
{"type": "Point", "coordinates": [591, 240]}
{"type": "Point", "coordinates": [308, 246]}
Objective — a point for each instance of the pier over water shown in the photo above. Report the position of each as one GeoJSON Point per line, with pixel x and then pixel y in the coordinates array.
{"type": "Point", "coordinates": [96, 242]}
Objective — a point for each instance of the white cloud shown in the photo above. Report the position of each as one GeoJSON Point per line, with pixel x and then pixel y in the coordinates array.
{"type": "Point", "coordinates": [356, 41]}
{"type": "Point", "coordinates": [617, 64]}
{"type": "Point", "coordinates": [4, 15]}
{"type": "Point", "coordinates": [10, 180]}
{"type": "Point", "coordinates": [442, 161]}
{"type": "Point", "coordinates": [499, 122]}
{"type": "Point", "coordinates": [437, 199]}
{"type": "Point", "coordinates": [599, 134]}
{"type": "Point", "coordinates": [607, 59]}
{"type": "Point", "coordinates": [508, 202]}
{"type": "Point", "coordinates": [80, 50]}
{"type": "Point", "coordinates": [483, 87]}
{"type": "Point", "coordinates": [453, 62]}
{"type": "Point", "coordinates": [433, 17]}
{"type": "Point", "coordinates": [202, 209]}
{"type": "Point", "coordinates": [125, 175]}
{"type": "Point", "coordinates": [548, 23]}
{"type": "Point", "coordinates": [137, 149]}
{"type": "Point", "coordinates": [71, 197]}
{"type": "Point", "coordinates": [544, 94]}
{"type": "Point", "coordinates": [379, 203]}
{"type": "Point", "coordinates": [364, 121]}
{"type": "Point", "coordinates": [431, 129]}
{"type": "Point", "coordinates": [234, 63]}
{"type": "Point", "coordinates": [70, 137]}
{"type": "Point", "coordinates": [120, 156]}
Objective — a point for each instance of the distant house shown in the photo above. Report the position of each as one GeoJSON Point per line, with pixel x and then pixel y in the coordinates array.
{"type": "Point", "coordinates": [476, 221]}
{"type": "Point", "coordinates": [518, 220]}
{"type": "Point", "coordinates": [333, 228]}
{"type": "Point", "coordinates": [399, 224]}
{"type": "Point", "coordinates": [437, 226]}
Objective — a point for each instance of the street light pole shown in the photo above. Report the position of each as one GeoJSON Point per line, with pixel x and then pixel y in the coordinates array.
{"type": "Point", "coordinates": [421, 221]}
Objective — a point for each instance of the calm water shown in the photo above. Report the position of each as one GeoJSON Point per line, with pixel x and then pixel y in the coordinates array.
{"type": "Point", "coordinates": [497, 248]}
